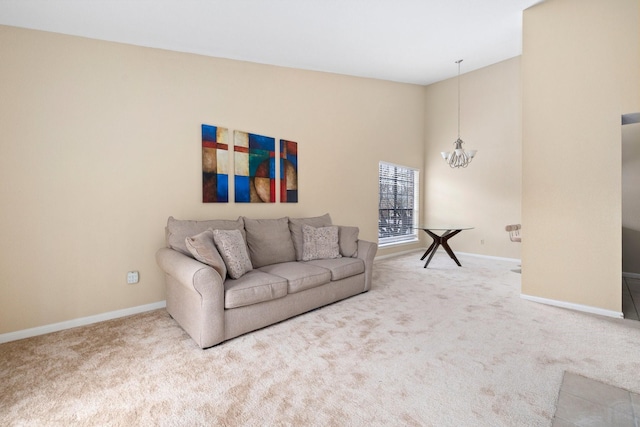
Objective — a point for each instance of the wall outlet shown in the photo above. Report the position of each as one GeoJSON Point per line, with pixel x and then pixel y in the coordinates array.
{"type": "Point", "coordinates": [133, 277]}
{"type": "Point", "coordinates": [482, 241]}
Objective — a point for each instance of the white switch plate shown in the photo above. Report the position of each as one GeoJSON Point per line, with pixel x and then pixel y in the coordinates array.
{"type": "Point", "coordinates": [132, 277]}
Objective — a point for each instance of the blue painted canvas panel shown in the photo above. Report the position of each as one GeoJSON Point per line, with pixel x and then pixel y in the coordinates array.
{"type": "Point", "coordinates": [255, 160]}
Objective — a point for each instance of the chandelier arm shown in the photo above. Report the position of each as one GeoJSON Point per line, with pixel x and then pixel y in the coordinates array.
{"type": "Point", "coordinates": [461, 160]}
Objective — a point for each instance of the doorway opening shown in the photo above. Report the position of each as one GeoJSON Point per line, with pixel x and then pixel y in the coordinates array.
{"type": "Point", "coordinates": [631, 216]}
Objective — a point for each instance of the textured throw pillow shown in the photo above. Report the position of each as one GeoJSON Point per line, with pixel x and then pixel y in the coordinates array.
{"type": "Point", "coordinates": [295, 225]}
{"type": "Point", "coordinates": [320, 243]}
{"type": "Point", "coordinates": [348, 240]}
{"type": "Point", "coordinates": [269, 241]}
{"type": "Point", "coordinates": [234, 252]}
{"type": "Point", "coordinates": [204, 250]}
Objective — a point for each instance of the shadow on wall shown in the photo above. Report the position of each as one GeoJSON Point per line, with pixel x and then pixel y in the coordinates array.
{"type": "Point", "coordinates": [630, 250]}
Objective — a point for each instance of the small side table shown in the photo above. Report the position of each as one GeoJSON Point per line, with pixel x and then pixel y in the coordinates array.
{"type": "Point", "coordinates": [439, 240]}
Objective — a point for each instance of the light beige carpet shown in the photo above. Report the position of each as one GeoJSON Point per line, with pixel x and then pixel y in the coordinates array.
{"type": "Point", "coordinates": [443, 346]}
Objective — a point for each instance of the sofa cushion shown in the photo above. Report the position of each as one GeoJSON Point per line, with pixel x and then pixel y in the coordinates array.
{"type": "Point", "coordinates": [348, 239]}
{"type": "Point", "coordinates": [254, 287]}
{"type": "Point", "coordinates": [320, 243]}
{"type": "Point", "coordinates": [203, 248]}
{"type": "Point", "coordinates": [234, 252]}
{"type": "Point", "coordinates": [300, 276]}
{"type": "Point", "coordinates": [295, 225]}
{"type": "Point", "coordinates": [340, 267]}
{"type": "Point", "coordinates": [177, 230]}
{"type": "Point", "coordinates": [269, 241]}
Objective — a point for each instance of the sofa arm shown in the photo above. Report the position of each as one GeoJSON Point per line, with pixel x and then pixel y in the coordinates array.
{"type": "Point", "coordinates": [367, 252]}
{"type": "Point", "coordinates": [189, 272]}
{"type": "Point", "coordinates": [195, 296]}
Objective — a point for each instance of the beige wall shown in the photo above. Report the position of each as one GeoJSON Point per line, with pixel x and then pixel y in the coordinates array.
{"type": "Point", "coordinates": [580, 68]}
{"type": "Point", "coordinates": [100, 143]}
{"type": "Point", "coordinates": [631, 198]}
{"type": "Point", "coordinates": [487, 194]}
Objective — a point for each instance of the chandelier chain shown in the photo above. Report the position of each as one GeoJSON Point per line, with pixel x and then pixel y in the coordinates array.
{"type": "Point", "coordinates": [458, 62]}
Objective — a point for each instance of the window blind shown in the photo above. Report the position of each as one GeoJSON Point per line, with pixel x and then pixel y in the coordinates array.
{"type": "Point", "coordinates": [397, 210]}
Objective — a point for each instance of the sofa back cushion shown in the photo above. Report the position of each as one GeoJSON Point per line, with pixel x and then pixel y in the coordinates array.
{"type": "Point", "coordinates": [295, 225]}
{"type": "Point", "coordinates": [178, 230]}
{"type": "Point", "coordinates": [269, 241]}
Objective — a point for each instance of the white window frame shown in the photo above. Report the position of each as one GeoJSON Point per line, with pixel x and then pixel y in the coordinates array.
{"type": "Point", "coordinates": [390, 179]}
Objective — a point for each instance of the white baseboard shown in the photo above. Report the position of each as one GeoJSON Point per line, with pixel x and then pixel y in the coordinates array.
{"type": "Point", "coordinates": [498, 258]}
{"type": "Point", "coordinates": [54, 327]}
{"type": "Point", "coordinates": [572, 306]}
{"type": "Point", "coordinates": [397, 254]}
{"type": "Point", "coordinates": [631, 275]}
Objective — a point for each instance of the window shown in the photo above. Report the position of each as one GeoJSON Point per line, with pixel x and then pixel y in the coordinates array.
{"type": "Point", "coordinates": [398, 206]}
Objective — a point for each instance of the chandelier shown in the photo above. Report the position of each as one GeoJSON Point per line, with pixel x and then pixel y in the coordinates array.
{"type": "Point", "coordinates": [458, 158]}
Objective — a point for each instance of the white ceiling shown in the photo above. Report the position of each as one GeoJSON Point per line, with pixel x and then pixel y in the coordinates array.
{"type": "Point", "coordinates": [413, 41]}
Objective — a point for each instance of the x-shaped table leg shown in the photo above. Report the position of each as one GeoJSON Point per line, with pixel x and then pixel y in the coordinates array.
{"type": "Point", "coordinates": [440, 241]}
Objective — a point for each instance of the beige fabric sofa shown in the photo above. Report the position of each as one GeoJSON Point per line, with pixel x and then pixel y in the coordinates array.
{"type": "Point", "coordinates": [284, 279]}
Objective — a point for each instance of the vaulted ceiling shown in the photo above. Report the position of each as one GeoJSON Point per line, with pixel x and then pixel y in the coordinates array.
{"type": "Point", "coordinates": [412, 41]}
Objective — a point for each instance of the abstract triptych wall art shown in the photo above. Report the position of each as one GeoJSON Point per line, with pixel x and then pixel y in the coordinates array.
{"type": "Point", "coordinates": [288, 171]}
{"type": "Point", "coordinates": [215, 164]}
{"type": "Point", "coordinates": [255, 167]}
{"type": "Point", "coordinates": [255, 171]}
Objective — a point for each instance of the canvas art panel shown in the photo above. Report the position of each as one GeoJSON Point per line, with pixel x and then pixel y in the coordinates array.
{"type": "Point", "coordinates": [288, 171]}
{"type": "Point", "coordinates": [215, 164]}
{"type": "Point", "coordinates": [254, 163]}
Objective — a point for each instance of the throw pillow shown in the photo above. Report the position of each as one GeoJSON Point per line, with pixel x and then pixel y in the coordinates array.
{"type": "Point", "coordinates": [348, 237]}
{"type": "Point", "coordinates": [269, 241]}
{"type": "Point", "coordinates": [234, 252]}
{"type": "Point", "coordinates": [320, 243]}
{"type": "Point", "coordinates": [295, 225]}
{"type": "Point", "coordinates": [204, 250]}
